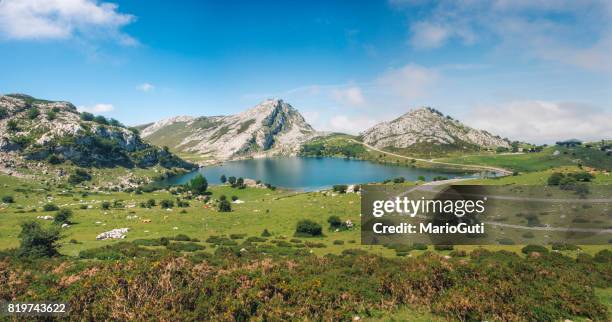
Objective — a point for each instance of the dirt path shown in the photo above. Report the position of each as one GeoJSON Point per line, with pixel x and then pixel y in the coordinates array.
{"type": "Point", "coordinates": [478, 167]}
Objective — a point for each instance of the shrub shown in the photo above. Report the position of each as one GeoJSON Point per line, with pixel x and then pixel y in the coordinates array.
{"type": "Point", "coordinates": [334, 222]}
{"type": "Point", "coordinates": [399, 180]}
{"type": "Point", "coordinates": [224, 205]}
{"type": "Point", "coordinates": [121, 250]}
{"type": "Point", "coordinates": [8, 199]}
{"type": "Point", "coordinates": [33, 113]}
{"type": "Point", "coordinates": [150, 203]}
{"type": "Point", "coordinates": [12, 126]}
{"type": "Point", "coordinates": [603, 256]}
{"type": "Point", "coordinates": [255, 239]}
{"type": "Point", "coordinates": [149, 242]}
{"type": "Point", "coordinates": [105, 205]}
{"type": "Point", "coordinates": [309, 228]}
{"type": "Point", "coordinates": [223, 179]}
{"type": "Point", "coordinates": [265, 233]}
{"type": "Point", "coordinates": [165, 204]}
{"type": "Point", "coordinates": [340, 188]}
{"type": "Point", "coordinates": [181, 237]}
{"type": "Point", "coordinates": [234, 198]}
{"type": "Point", "coordinates": [50, 207]}
{"type": "Point", "coordinates": [79, 176]}
{"type": "Point", "coordinates": [315, 245]}
{"type": "Point", "coordinates": [54, 159]}
{"type": "Point", "coordinates": [36, 241]}
{"type": "Point", "coordinates": [338, 242]}
{"type": "Point", "coordinates": [185, 247]}
{"type": "Point", "coordinates": [534, 248]}
{"type": "Point", "coordinates": [564, 246]}
{"type": "Point", "coordinates": [443, 247]}
{"type": "Point", "coordinates": [419, 246]}
{"type": "Point", "coordinates": [63, 216]}
{"type": "Point", "coordinates": [237, 236]}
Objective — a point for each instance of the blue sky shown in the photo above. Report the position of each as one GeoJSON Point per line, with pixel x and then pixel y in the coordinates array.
{"type": "Point", "coordinates": [536, 70]}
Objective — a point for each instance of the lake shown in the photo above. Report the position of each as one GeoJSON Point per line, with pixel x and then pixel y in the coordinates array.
{"type": "Point", "coordinates": [309, 173]}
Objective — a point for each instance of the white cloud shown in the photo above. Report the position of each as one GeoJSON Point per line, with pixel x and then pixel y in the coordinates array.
{"type": "Point", "coordinates": [145, 87]}
{"type": "Point", "coordinates": [349, 124]}
{"type": "Point", "coordinates": [575, 33]}
{"type": "Point", "coordinates": [542, 121]}
{"type": "Point", "coordinates": [410, 82]}
{"type": "Point", "coordinates": [428, 35]}
{"type": "Point", "coordinates": [62, 19]}
{"type": "Point", "coordinates": [98, 108]}
{"type": "Point", "coordinates": [351, 95]}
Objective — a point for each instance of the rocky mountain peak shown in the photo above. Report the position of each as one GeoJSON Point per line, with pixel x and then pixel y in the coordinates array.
{"type": "Point", "coordinates": [268, 128]}
{"type": "Point", "coordinates": [425, 126]}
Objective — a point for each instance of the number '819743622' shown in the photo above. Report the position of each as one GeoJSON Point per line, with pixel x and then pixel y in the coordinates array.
{"type": "Point", "coordinates": [33, 308]}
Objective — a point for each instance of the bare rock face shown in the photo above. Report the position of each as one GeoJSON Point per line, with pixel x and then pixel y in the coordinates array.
{"type": "Point", "coordinates": [270, 128]}
{"type": "Point", "coordinates": [428, 126]}
{"type": "Point", "coordinates": [35, 129]}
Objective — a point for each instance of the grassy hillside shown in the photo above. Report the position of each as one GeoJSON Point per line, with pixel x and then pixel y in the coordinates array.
{"type": "Point", "coordinates": [537, 161]}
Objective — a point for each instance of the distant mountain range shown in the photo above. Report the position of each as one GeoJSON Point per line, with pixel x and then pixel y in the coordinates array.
{"type": "Point", "coordinates": [276, 128]}
{"type": "Point", "coordinates": [35, 129]}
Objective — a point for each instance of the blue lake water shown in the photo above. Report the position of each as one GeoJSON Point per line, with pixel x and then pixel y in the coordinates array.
{"type": "Point", "coordinates": [308, 174]}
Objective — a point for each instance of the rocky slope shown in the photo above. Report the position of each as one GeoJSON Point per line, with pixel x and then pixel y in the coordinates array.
{"type": "Point", "coordinates": [270, 128]}
{"type": "Point", "coordinates": [426, 129]}
{"type": "Point", "coordinates": [35, 130]}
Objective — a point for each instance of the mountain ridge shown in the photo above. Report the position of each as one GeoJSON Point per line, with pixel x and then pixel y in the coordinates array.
{"type": "Point", "coordinates": [33, 129]}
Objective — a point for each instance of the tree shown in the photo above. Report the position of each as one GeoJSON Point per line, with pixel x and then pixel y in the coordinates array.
{"type": "Point", "coordinates": [3, 112]}
{"type": "Point", "coordinates": [36, 241]}
{"type": "Point", "coordinates": [223, 179]}
{"type": "Point", "coordinates": [308, 227]}
{"type": "Point", "coordinates": [198, 185]}
{"type": "Point", "coordinates": [340, 188]}
{"type": "Point", "coordinates": [105, 205]}
{"type": "Point", "coordinates": [421, 178]}
{"type": "Point", "coordinates": [86, 116]}
{"type": "Point", "coordinates": [8, 199]}
{"type": "Point", "coordinates": [224, 204]}
{"type": "Point", "coordinates": [231, 180]}
{"type": "Point", "coordinates": [63, 216]}
{"type": "Point", "coordinates": [100, 120]}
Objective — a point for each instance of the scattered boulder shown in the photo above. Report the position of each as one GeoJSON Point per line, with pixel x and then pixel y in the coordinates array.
{"type": "Point", "coordinates": [118, 233]}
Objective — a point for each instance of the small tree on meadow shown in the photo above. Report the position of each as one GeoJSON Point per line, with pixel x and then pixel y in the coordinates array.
{"type": "Point", "coordinates": [36, 241]}
{"type": "Point", "coordinates": [198, 185]}
{"type": "Point", "coordinates": [63, 216]}
{"type": "Point", "coordinates": [223, 179]}
{"type": "Point", "coordinates": [224, 204]}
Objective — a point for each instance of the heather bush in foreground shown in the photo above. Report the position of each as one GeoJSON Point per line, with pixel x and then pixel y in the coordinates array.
{"type": "Point", "coordinates": [246, 285]}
